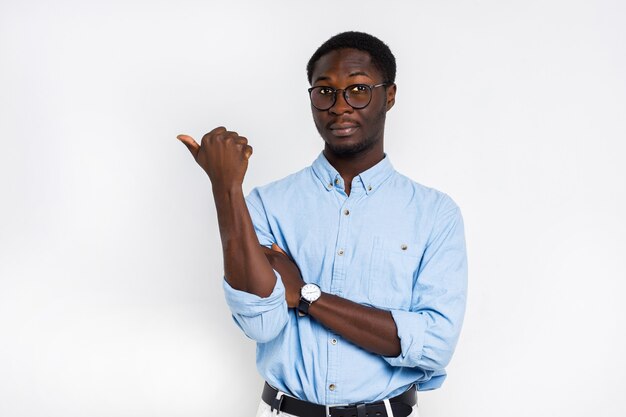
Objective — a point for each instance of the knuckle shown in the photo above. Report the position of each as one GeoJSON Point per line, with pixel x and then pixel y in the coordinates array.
{"type": "Point", "coordinates": [229, 135]}
{"type": "Point", "coordinates": [225, 139]}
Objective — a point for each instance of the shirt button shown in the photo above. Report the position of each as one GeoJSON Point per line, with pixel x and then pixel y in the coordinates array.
{"type": "Point", "coordinates": [333, 341]}
{"type": "Point", "coordinates": [340, 252]}
{"type": "Point", "coordinates": [331, 387]}
{"type": "Point", "coordinates": [369, 188]}
{"type": "Point", "coordinates": [330, 185]}
{"type": "Point", "coordinates": [337, 181]}
{"type": "Point", "coordinates": [404, 246]}
{"type": "Point", "coordinates": [346, 212]}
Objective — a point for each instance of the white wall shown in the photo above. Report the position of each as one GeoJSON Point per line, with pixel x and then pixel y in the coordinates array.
{"type": "Point", "coordinates": [110, 284]}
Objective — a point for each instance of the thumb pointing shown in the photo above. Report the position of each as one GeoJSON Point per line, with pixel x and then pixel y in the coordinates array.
{"type": "Point", "coordinates": [190, 143]}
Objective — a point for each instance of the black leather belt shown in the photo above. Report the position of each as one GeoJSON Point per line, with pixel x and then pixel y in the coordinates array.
{"type": "Point", "coordinates": [401, 405]}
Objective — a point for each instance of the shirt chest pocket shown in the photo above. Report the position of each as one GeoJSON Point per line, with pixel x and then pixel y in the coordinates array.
{"type": "Point", "coordinates": [393, 265]}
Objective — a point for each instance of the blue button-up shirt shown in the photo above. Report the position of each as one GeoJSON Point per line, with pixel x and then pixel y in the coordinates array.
{"type": "Point", "coordinates": [392, 244]}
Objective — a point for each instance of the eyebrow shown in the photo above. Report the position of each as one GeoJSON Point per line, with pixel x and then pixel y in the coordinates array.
{"type": "Point", "coordinates": [321, 78]}
{"type": "Point", "coordinates": [352, 74]}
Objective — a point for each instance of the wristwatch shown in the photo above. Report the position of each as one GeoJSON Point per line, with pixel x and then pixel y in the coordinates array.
{"type": "Point", "coordinates": [309, 293]}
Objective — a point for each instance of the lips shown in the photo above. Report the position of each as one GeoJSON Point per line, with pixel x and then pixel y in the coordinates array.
{"type": "Point", "coordinates": [343, 128]}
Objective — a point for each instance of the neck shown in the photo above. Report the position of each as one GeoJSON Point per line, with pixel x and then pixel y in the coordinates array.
{"type": "Point", "coordinates": [349, 166]}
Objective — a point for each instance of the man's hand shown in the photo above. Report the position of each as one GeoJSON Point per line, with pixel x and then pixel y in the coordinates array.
{"type": "Point", "coordinates": [223, 155]}
{"type": "Point", "coordinates": [288, 271]}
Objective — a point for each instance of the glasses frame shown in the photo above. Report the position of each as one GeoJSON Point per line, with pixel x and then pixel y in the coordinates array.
{"type": "Point", "coordinates": [345, 94]}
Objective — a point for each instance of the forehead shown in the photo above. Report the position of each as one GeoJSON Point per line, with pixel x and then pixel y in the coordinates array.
{"type": "Point", "coordinates": [342, 63]}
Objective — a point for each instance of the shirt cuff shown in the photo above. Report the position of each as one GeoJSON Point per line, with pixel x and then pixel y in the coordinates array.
{"type": "Point", "coordinates": [435, 381]}
{"type": "Point", "coordinates": [246, 304]}
{"type": "Point", "coordinates": [411, 332]}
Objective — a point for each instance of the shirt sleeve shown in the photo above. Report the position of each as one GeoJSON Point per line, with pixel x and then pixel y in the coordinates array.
{"type": "Point", "coordinates": [429, 331]}
{"type": "Point", "coordinates": [259, 218]}
{"type": "Point", "coordinates": [260, 318]}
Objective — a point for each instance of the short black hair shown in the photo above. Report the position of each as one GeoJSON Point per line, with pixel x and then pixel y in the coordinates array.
{"type": "Point", "coordinates": [381, 55]}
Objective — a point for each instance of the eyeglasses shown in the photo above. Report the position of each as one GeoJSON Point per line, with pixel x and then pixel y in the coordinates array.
{"type": "Point", "coordinates": [357, 96]}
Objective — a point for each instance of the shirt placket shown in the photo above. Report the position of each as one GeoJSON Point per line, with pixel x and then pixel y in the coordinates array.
{"type": "Point", "coordinates": [337, 285]}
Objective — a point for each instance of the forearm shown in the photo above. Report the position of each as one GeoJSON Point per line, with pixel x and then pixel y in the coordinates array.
{"type": "Point", "coordinates": [245, 266]}
{"type": "Point", "coordinates": [370, 328]}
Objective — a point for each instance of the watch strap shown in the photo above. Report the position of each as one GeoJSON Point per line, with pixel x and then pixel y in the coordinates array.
{"type": "Point", "coordinates": [303, 307]}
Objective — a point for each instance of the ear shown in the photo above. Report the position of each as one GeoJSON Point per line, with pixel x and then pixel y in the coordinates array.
{"type": "Point", "coordinates": [391, 96]}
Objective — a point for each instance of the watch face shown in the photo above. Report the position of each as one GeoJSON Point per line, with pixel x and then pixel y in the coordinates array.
{"type": "Point", "coordinates": [310, 292]}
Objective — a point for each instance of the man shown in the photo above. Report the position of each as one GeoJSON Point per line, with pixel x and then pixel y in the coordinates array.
{"type": "Point", "coordinates": [361, 298]}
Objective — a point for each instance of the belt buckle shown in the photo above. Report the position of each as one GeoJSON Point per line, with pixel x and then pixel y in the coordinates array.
{"type": "Point", "coordinates": [360, 409]}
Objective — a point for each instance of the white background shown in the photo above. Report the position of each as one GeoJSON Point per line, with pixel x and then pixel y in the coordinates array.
{"type": "Point", "coordinates": [110, 263]}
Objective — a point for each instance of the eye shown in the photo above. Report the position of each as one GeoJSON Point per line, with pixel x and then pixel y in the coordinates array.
{"type": "Point", "coordinates": [326, 91]}
{"type": "Point", "coordinates": [359, 89]}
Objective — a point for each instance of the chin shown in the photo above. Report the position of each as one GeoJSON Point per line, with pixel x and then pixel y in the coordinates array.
{"type": "Point", "coordinates": [347, 146]}
{"type": "Point", "coordinates": [345, 149]}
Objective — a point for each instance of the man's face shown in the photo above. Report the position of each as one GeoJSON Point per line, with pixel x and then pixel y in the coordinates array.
{"type": "Point", "coordinates": [349, 131]}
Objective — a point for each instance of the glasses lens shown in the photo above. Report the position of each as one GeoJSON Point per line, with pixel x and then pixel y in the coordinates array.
{"type": "Point", "coordinates": [358, 95]}
{"type": "Point", "coordinates": [322, 98]}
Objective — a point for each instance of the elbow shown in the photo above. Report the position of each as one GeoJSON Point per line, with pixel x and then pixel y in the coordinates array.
{"type": "Point", "coordinates": [434, 361]}
{"type": "Point", "coordinates": [262, 328]}
{"type": "Point", "coordinates": [264, 337]}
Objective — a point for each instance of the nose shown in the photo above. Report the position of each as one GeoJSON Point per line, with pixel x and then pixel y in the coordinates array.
{"type": "Point", "coordinates": [341, 106]}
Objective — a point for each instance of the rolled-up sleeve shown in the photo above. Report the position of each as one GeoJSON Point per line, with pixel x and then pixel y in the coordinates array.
{"type": "Point", "coordinates": [260, 318]}
{"type": "Point", "coordinates": [429, 331]}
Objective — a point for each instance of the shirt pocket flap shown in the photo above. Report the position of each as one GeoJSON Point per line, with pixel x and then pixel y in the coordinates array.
{"type": "Point", "coordinates": [394, 265]}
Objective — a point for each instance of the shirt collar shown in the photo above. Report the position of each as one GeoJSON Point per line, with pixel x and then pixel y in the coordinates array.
{"type": "Point", "coordinates": [370, 179]}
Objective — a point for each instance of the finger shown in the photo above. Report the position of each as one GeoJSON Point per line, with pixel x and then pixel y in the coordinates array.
{"type": "Point", "coordinates": [277, 248]}
{"type": "Point", "coordinates": [219, 129]}
{"type": "Point", "coordinates": [215, 132]}
{"type": "Point", "coordinates": [228, 135]}
{"type": "Point", "coordinates": [241, 140]}
{"type": "Point", "coordinates": [247, 152]}
{"type": "Point", "coordinates": [190, 143]}
{"type": "Point", "coordinates": [270, 255]}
